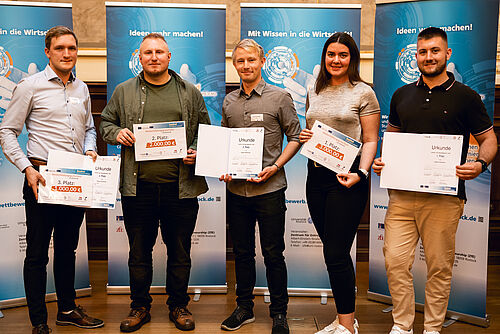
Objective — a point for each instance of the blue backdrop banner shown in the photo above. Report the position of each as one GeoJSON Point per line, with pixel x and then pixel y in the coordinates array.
{"type": "Point", "coordinates": [196, 38]}
{"type": "Point", "coordinates": [22, 35]}
{"type": "Point", "coordinates": [471, 26]}
{"type": "Point", "coordinates": [292, 36]}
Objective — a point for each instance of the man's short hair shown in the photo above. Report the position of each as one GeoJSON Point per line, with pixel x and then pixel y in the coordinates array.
{"type": "Point", "coordinates": [154, 35]}
{"type": "Point", "coordinates": [432, 32]}
{"type": "Point", "coordinates": [248, 43]}
{"type": "Point", "coordinates": [58, 31]}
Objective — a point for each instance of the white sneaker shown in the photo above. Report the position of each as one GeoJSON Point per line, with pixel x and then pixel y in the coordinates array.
{"type": "Point", "coordinates": [397, 330]}
{"type": "Point", "coordinates": [433, 332]}
{"type": "Point", "coordinates": [342, 330]}
{"type": "Point", "coordinates": [330, 329]}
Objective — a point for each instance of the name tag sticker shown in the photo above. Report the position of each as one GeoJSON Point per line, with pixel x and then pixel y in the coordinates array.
{"type": "Point", "coordinates": [257, 117]}
{"type": "Point", "coordinates": [73, 100]}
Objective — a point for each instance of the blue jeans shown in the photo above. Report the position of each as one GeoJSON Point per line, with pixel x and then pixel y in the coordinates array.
{"type": "Point", "coordinates": [158, 204]}
{"type": "Point", "coordinates": [41, 220]}
{"type": "Point", "coordinates": [269, 211]}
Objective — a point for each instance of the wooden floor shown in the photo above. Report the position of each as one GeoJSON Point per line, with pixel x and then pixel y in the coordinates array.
{"type": "Point", "coordinates": [305, 315]}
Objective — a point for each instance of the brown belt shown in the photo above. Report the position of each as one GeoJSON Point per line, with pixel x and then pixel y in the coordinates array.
{"type": "Point", "coordinates": [37, 162]}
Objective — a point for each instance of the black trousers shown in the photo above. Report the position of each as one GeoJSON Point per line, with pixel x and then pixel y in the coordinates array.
{"type": "Point", "coordinates": [41, 220]}
{"type": "Point", "coordinates": [336, 212]}
{"type": "Point", "coordinates": [159, 204]}
{"type": "Point", "coordinates": [269, 211]}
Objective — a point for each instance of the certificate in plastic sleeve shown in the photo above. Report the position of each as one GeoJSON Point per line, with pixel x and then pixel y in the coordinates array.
{"type": "Point", "coordinates": [331, 148]}
{"type": "Point", "coordinates": [66, 186]}
{"type": "Point", "coordinates": [158, 141]}
{"type": "Point", "coordinates": [421, 162]}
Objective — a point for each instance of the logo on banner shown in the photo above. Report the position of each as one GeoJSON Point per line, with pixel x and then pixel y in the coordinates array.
{"type": "Point", "coordinates": [281, 62]}
{"type": "Point", "coordinates": [134, 64]}
{"type": "Point", "coordinates": [6, 63]}
{"type": "Point", "coordinates": [406, 64]}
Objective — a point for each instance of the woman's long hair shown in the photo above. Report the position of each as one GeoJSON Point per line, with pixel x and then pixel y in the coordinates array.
{"type": "Point", "coordinates": [324, 77]}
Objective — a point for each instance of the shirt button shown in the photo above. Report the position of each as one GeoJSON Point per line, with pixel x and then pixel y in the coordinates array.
{"type": "Point", "coordinates": [430, 92]}
{"type": "Point", "coordinates": [427, 100]}
{"type": "Point", "coordinates": [135, 174]}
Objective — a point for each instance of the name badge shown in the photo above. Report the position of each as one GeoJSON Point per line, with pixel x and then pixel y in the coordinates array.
{"type": "Point", "coordinates": [73, 100]}
{"type": "Point", "coordinates": [257, 117]}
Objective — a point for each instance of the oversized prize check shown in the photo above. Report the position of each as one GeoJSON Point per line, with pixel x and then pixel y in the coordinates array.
{"type": "Point", "coordinates": [234, 151]}
{"type": "Point", "coordinates": [421, 162]}
{"type": "Point", "coordinates": [331, 148]}
{"type": "Point", "coordinates": [74, 179]}
{"type": "Point", "coordinates": [158, 141]}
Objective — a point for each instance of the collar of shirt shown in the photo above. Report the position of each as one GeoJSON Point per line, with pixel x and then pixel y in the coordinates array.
{"type": "Point", "coordinates": [258, 89]}
{"type": "Point", "coordinates": [444, 86]}
{"type": "Point", "coordinates": [51, 75]}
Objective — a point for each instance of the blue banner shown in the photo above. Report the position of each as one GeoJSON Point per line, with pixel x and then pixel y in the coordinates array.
{"type": "Point", "coordinates": [471, 26]}
{"type": "Point", "coordinates": [293, 36]}
{"type": "Point", "coordinates": [22, 43]}
{"type": "Point", "coordinates": [196, 38]}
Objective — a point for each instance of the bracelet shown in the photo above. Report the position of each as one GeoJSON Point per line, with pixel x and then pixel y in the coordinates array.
{"type": "Point", "coordinates": [274, 164]}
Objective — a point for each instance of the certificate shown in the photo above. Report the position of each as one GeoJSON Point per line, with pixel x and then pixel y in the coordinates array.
{"type": "Point", "coordinates": [66, 186]}
{"type": "Point", "coordinates": [158, 141]}
{"type": "Point", "coordinates": [234, 151]}
{"type": "Point", "coordinates": [75, 179]}
{"type": "Point", "coordinates": [421, 162]}
{"type": "Point", "coordinates": [331, 148]}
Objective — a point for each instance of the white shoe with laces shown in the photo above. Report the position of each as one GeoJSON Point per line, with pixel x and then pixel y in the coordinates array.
{"type": "Point", "coordinates": [433, 332]}
{"type": "Point", "coordinates": [398, 330]}
{"type": "Point", "coordinates": [342, 330]}
{"type": "Point", "coordinates": [330, 329]}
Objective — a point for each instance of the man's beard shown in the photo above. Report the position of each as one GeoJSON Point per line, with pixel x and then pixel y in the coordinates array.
{"type": "Point", "coordinates": [439, 69]}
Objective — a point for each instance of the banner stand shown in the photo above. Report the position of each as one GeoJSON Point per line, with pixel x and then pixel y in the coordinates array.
{"type": "Point", "coordinates": [160, 290]}
{"type": "Point", "coordinates": [50, 297]}
{"type": "Point", "coordinates": [451, 316]}
{"type": "Point", "coordinates": [1, 314]}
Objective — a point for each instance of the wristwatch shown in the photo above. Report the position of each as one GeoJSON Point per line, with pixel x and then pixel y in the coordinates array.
{"type": "Point", "coordinates": [363, 173]}
{"type": "Point", "coordinates": [484, 164]}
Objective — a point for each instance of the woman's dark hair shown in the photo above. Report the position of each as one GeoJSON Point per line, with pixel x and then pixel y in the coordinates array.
{"type": "Point", "coordinates": [324, 77]}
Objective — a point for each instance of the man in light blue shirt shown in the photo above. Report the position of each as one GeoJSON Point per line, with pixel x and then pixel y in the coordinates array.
{"type": "Point", "coordinates": [55, 106]}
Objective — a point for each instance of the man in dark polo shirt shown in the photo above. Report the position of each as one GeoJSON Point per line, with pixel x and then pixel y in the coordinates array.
{"type": "Point", "coordinates": [258, 104]}
{"type": "Point", "coordinates": [159, 192]}
{"type": "Point", "coordinates": [435, 104]}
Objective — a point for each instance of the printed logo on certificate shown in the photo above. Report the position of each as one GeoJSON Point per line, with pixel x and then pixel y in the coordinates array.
{"type": "Point", "coordinates": [331, 148]}
{"type": "Point", "coordinates": [159, 141]}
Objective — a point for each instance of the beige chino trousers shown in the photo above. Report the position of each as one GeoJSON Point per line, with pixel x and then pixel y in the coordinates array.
{"type": "Point", "coordinates": [434, 219]}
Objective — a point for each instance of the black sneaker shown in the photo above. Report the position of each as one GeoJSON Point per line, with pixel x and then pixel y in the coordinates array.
{"type": "Point", "coordinates": [41, 329]}
{"type": "Point", "coordinates": [78, 318]}
{"type": "Point", "coordinates": [280, 325]}
{"type": "Point", "coordinates": [238, 318]}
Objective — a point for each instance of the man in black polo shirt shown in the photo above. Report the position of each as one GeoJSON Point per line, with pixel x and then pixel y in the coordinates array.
{"type": "Point", "coordinates": [435, 104]}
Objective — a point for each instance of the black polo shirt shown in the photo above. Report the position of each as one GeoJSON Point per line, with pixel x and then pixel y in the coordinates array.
{"type": "Point", "coordinates": [451, 108]}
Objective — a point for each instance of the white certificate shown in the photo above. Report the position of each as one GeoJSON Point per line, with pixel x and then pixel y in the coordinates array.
{"type": "Point", "coordinates": [234, 151]}
{"type": "Point", "coordinates": [103, 174]}
{"type": "Point", "coordinates": [158, 141]}
{"type": "Point", "coordinates": [421, 162]}
{"type": "Point", "coordinates": [66, 186]}
{"type": "Point", "coordinates": [331, 148]}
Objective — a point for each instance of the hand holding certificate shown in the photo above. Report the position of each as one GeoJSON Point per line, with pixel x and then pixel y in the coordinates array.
{"type": "Point", "coordinates": [74, 179]}
{"type": "Point", "coordinates": [158, 141]}
{"type": "Point", "coordinates": [233, 151]}
{"type": "Point", "coordinates": [331, 148]}
{"type": "Point", "coordinates": [421, 162]}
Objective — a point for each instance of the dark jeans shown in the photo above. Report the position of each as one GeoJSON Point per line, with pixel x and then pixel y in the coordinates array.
{"type": "Point", "coordinates": [336, 212]}
{"type": "Point", "coordinates": [41, 220]}
{"type": "Point", "coordinates": [269, 211]}
{"type": "Point", "coordinates": [159, 204]}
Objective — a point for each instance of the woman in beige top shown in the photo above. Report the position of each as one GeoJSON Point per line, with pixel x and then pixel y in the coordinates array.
{"type": "Point", "coordinates": [342, 100]}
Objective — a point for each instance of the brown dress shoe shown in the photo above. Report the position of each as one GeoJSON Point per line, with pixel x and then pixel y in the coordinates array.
{"type": "Point", "coordinates": [182, 318]}
{"type": "Point", "coordinates": [136, 318]}
{"type": "Point", "coordinates": [41, 329]}
{"type": "Point", "coordinates": [78, 318]}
